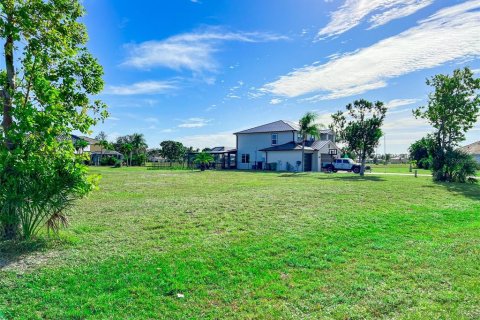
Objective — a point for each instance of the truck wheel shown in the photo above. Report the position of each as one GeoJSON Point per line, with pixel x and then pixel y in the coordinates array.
{"type": "Point", "coordinates": [356, 170]}
{"type": "Point", "coordinates": [334, 170]}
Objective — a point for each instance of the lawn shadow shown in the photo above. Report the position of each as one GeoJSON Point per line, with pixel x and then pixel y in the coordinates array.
{"type": "Point", "coordinates": [331, 176]}
{"type": "Point", "coordinates": [294, 175]}
{"type": "Point", "coordinates": [12, 251]}
{"type": "Point", "coordinates": [469, 190]}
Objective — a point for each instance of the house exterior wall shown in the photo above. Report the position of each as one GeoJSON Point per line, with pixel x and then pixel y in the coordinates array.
{"type": "Point", "coordinates": [281, 158]}
{"type": "Point", "coordinates": [476, 157]}
{"type": "Point", "coordinates": [251, 143]}
{"type": "Point", "coordinates": [95, 148]}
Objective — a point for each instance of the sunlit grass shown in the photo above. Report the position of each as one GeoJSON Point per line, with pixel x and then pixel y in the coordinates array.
{"type": "Point", "coordinates": [183, 244]}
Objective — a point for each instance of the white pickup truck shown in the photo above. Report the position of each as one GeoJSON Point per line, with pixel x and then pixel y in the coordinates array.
{"type": "Point", "coordinates": [344, 164]}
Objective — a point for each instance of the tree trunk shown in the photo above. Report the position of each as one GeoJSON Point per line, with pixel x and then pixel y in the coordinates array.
{"type": "Point", "coordinates": [362, 166]}
{"type": "Point", "coordinates": [10, 221]}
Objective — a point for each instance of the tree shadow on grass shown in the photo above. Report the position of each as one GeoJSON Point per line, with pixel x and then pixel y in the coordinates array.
{"type": "Point", "coordinates": [294, 175]}
{"type": "Point", "coordinates": [469, 190]}
{"type": "Point", "coordinates": [352, 178]}
{"type": "Point", "coordinates": [12, 251]}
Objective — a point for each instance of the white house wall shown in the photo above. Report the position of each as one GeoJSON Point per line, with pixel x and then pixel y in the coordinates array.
{"type": "Point", "coordinates": [253, 142]}
{"type": "Point", "coordinates": [281, 158]}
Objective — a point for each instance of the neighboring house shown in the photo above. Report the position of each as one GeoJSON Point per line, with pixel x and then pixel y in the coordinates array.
{"type": "Point", "coordinates": [225, 157]}
{"type": "Point", "coordinates": [95, 149]}
{"type": "Point", "coordinates": [473, 149]}
{"type": "Point", "coordinates": [278, 146]}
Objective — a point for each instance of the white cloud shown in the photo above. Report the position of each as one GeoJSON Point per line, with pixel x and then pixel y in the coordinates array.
{"type": "Point", "coordinates": [395, 103]}
{"type": "Point", "coordinates": [276, 101]}
{"type": "Point", "coordinates": [194, 123]}
{"type": "Point", "coordinates": [192, 51]}
{"type": "Point", "coordinates": [353, 12]}
{"type": "Point", "coordinates": [113, 118]}
{"type": "Point", "coordinates": [151, 120]}
{"type": "Point", "coordinates": [145, 87]}
{"type": "Point", "coordinates": [209, 140]}
{"type": "Point", "coordinates": [449, 35]}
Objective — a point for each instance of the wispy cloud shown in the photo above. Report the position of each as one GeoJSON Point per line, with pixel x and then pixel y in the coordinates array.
{"type": "Point", "coordinates": [353, 12]}
{"type": "Point", "coordinates": [421, 47]}
{"type": "Point", "coordinates": [145, 87]}
{"type": "Point", "coordinates": [209, 140]}
{"type": "Point", "coordinates": [275, 101]}
{"type": "Point", "coordinates": [191, 51]}
{"type": "Point", "coordinates": [151, 120]}
{"type": "Point", "coordinates": [194, 123]}
{"type": "Point", "coordinates": [395, 103]}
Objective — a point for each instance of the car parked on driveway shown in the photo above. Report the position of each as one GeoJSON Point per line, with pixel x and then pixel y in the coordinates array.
{"type": "Point", "coordinates": [344, 164]}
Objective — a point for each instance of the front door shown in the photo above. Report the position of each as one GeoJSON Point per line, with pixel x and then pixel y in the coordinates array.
{"type": "Point", "coordinates": [308, 161]}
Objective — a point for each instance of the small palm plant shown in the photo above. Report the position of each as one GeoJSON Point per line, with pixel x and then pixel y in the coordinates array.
{"type": "Point", "coordinates": [203, 159]}
{"type": "Point", "coordinates": [308, 127]}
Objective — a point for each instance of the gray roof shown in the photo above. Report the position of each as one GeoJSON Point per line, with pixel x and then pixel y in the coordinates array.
{"type": "Point", "coordinates": [222, 150]}
{"type": "Point", "coordinates": [278, 126]}
{"type": "Point", "coordinates": [89, 140]}
{"type": "Point", "coordinates": [107, 153]}
{"type": "Point", "coordinates": [473, 148]}
{"type": "Point", "coordinates": [292, 146]}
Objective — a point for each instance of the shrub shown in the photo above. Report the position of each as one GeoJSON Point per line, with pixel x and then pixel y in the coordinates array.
{"type": "Point", "coordinates": [458, 167]}
{"type": "Point", "coordinates": [108, 161]}
{"type": "Point", "coordinates": [36, 190]}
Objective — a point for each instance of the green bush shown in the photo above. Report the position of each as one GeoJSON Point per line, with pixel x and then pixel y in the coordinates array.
{"type": "Point", "coordinates": [36, 190]}
{"type": "Point", "coordinates": [108, 161]}
{"type": "Point", "coordinates": [457, 167]}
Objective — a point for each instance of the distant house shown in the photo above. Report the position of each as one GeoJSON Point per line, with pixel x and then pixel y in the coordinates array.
{"type": "Point", "coordinates": [225, 157]}
{"type": "Point", "coordinates": [95, 149]}
{"type": "Point", "coordinates": [473, 149]}
{"type": "Point", "coordinates": [278, 146]}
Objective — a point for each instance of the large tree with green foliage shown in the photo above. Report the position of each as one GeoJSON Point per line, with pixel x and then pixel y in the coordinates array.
{"type": "Point", "coordinates": [45, 92]}
{"type": "Point", "coordinates": [307, 128]}
{"type": "Point", "coordinates": [172, 150]}
{"type": "Point", "coordinates": [421, 152]}
{"type": "Point", "coordinates": [134, 147]}
{"type": "Point", "coordinates": [360, 127]}
{"type": "Point", "coordinates": [452, 109]}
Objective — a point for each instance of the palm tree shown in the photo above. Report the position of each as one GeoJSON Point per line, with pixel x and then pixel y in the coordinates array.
{"type": "Point", "coordinates": [128, 148]}
{"type": "Point", "coordinates": [307, 127]}
{"type": "Point", "coordinates": [105, 145]}
{"type": "Point", "coordinates": [139, 144]}
{"type": "Point", "coordinates": [203, 159]}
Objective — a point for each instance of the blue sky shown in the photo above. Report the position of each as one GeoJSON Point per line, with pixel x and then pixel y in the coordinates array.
{"type": "Point", "coordinates": [197, 71]}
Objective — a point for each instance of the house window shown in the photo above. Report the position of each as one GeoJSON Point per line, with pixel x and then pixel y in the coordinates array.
{"type": "Point", "coordinates": [274, 138]}
{"type": "Point", "coordinates": [245, 158]}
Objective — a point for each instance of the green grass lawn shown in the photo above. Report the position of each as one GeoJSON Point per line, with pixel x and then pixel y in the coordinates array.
{"type": "Point", "coordinates": [254, 245]}
{"type": "Point", "coordinates": [396, 168]}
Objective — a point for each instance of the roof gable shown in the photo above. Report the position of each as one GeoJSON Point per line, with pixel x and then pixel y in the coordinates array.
{"type": "Point", "coordinates": [473, 148]}
{"type": "Point", "coordinates": [277, 126]}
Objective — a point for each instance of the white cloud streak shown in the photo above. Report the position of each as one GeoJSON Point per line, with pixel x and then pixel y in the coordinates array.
{"type": "Point", "coordinates": [395, 103]}
{"type": "Point", "coordinates": [194, 123]}
{"type": "Point", "coordinates": [209, 140]}
{"type": "Point", "coordinates": [449, 35]}
{"type": "Point", "coordinates": [353, 12]}
{"type": "Point", "coordinates": [145, 87]}
{"type": "Point", "coordinates": [191, 51]}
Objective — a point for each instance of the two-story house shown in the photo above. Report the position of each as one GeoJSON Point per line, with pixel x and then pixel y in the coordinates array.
{"type": "Point", "coordinates": [278, 146]}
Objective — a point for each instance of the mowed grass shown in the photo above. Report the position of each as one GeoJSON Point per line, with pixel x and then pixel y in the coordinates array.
{"type": "Point", "coordinates": [190, 245]}
{"type": "Point", "coordinates": [397, 168]}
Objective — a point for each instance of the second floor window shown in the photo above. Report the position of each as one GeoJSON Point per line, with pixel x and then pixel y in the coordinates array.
{"type": "Point", "coordinates": [274, 138]}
